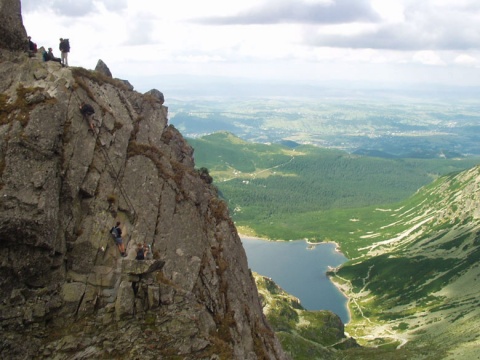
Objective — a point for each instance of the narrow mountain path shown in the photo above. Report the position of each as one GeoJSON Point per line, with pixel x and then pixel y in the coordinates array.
{"type": "Point", "coordinates": [376, 330]}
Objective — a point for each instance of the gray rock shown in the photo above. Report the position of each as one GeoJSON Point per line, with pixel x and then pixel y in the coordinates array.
{"type": "Point", "coordinates": [125, 301]}
{"type": "Point", "coordinates": [140, 267]}
{"type": "Point", "coordinates": [153, 296]}
{"type": "Point", "coordinates": [102, 68]}
{"type": "Point", "coordinates": [127, 84]}
{"type": "Point", "coordinates": [62, 189]}
{"type": "Point", "coordinates": [12, 32]}
{"type": "Point", "coordinates": [156, 94]}
{"type": "Point", "coordinates": [73, 292]}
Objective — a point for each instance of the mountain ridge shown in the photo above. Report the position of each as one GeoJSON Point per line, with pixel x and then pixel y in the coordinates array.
{"type": "Point", "coordinates": [66, 290]}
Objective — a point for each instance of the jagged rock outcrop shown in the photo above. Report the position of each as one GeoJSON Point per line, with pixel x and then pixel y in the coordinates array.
{"type": "Point", "coordinates": [12, 32]}
{"type": "Point", "coordinates": [156, 94]}
{"type": "Point", "coordinates": [103, 68]}
{"type": "Point", "coordinates": [65, 290]}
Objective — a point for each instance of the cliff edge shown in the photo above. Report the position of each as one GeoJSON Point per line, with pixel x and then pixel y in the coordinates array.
{"type": "Point", "coordinates": [66, 292]}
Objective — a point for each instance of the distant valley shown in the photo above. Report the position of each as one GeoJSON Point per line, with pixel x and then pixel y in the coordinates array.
{"type": "Point", "coordinates": [278, 192]}
{"type": "Point", "coordinates": [405, 215]}
{"type": "Point", "coordinates": [396, 127]}
{"type": "Point", "coordinates": [413, 273]}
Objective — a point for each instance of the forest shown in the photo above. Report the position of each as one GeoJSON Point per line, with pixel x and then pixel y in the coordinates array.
{"type": "Point", "coordinates": [273, 188]}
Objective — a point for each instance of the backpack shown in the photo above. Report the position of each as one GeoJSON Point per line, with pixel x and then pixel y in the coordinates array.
{"type": "Point", "coordinates": [140, 254]}
{"type": "Point", "coordinates": [87, 110]}
{"type": "Point", "coordinates": [114, 232]}
{"type": "Point", "coordinates": [65, 45]}
{"type": "Point", "coordinates": [45, 56]}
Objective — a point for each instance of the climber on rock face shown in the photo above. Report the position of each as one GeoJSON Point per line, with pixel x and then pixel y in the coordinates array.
{"type": "Point", "coordinates": [117, 235]}
{"type": "Point", "coordinates": [142, 250]}
{"type": "Point", "coordinates": [87, 112]}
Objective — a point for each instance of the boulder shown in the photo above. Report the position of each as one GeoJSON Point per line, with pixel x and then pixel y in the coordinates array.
{"type": "Point", "coordinates": [156, 94]}
{"type": "Point", "coordinates": [102, 68]}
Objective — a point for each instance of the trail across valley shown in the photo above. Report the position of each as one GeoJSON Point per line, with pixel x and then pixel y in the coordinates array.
{"type": "Point", "coordinates": [237, 174]}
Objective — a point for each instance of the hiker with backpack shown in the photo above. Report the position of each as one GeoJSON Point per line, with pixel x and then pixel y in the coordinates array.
{"type": "Point", "coordinates": [87, 112]}
{"type": "Point", "coordinates": [117, 235]}
{"type": "Point", "coordinates": [64, 47]}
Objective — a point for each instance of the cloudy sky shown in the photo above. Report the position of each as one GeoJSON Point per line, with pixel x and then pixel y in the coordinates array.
{"type": "Point", "coordinates": [309, 41]}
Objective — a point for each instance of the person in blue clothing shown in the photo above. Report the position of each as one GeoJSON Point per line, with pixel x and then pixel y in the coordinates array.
{"type": "Point", "coordinates": [142, 251]}
{"type": "Point", "coordinates": [116, 232]}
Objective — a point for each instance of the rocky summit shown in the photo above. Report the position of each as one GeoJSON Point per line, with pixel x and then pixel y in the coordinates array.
{"type": "Point", "coordinates": [66, 291]}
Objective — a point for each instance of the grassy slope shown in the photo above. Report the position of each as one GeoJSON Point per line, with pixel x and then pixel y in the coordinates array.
{"type": "Point", "coordinates": [416, 284]}
{"type": "Point", "coordinates": [413, 277]}
{"type": "Point", "coordinates": [280, 193]}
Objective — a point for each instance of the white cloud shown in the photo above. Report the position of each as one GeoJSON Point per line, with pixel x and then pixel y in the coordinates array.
{"type": "Point", "coordinates": [464, 59]}
{"type": "Point", "coordinates": [308, 40]}
{"type": "Point", "coordinates": [428, 58]}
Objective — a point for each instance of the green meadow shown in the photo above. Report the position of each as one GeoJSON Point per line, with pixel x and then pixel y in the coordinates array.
{"type": "Point", "coordinates": [280, 192]}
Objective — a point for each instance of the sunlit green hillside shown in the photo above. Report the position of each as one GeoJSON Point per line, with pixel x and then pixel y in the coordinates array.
{"type": "Point", "coordinates": [413, 274]}
{"type": "Point", "coordinates": [414, 282]}
{"type": "Point", "coordinates": [306, 192]}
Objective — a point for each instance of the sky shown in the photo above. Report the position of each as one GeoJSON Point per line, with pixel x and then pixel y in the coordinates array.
{"type": "Point", "coordinates": [404, 42]}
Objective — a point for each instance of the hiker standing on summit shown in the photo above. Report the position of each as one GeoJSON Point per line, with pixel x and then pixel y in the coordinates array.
{"type": "Point", "coordinates": [65, 49]}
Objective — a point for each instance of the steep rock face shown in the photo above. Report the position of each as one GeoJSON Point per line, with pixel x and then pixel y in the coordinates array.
{"type": "Point", "coordinates": [66, 291]}
{"type": "Point", "coordinates": [12, 32]}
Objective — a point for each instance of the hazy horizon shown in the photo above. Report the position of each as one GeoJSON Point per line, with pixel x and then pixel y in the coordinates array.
{"type": "Point", "coordinates": [402, 42]}
{"type": "Point", "coordinates": [185, 87]}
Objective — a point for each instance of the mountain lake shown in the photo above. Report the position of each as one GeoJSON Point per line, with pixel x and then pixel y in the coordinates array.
{"type": "Point", "coordinates": [300, 269]}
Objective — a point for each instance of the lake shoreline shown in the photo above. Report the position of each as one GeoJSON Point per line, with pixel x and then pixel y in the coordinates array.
{"type": "Point", "coordinates": [337, 245]}
{"type": "Point", "coordinates": [342, 289]}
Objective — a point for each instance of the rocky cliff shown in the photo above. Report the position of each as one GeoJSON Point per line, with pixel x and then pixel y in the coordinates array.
{"type": "Point", "coordinates": [66, 292]}
{"type": "Point", "coordinates": [12, 32]}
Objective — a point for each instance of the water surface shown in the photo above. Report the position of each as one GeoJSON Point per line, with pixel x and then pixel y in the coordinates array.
{"type": "Point", "coordinates": [300, 269]}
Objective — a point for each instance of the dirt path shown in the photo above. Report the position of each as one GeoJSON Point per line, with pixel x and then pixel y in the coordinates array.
{"type": "Point", "coordinates": [255, 174]}
{"type": "Point", "coordinates": [375, 330]}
